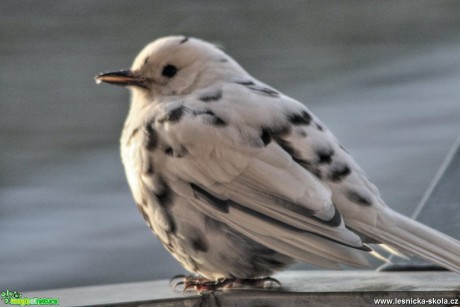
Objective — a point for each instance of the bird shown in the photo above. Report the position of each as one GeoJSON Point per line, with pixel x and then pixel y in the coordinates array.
{"type": "Point", "coordinates": [238, 180]}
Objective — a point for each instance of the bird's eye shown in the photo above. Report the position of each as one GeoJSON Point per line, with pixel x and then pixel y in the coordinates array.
{"type": "Point", "coordinates": [169, 71]}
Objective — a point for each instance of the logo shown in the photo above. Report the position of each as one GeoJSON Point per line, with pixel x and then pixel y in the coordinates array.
{"type": "Point", "coordinates": [16, 298]}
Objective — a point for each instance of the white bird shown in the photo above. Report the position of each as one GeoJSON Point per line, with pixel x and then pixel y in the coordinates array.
{"type": "Point", "coordinates": [238, 180]}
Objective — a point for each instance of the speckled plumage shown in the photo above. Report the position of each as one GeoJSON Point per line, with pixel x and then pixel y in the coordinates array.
{"type": "Point", "coordinates": [238, 180]}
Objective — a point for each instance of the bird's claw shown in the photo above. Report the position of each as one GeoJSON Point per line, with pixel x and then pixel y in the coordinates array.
{"type": "Point", "coordinates": [203, 285]}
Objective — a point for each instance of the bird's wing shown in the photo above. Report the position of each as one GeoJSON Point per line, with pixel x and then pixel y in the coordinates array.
{"type": "Point", "coordinates": [229, 157]}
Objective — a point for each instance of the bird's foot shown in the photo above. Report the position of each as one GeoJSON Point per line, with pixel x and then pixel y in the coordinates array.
{"type": "Point", "coordinates": [203, 285]}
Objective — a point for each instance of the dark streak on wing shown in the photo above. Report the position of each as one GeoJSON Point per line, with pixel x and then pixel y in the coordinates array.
{"type": "Point", "coordinates": [303, 118]}
{"type": "Point", "coordinates": [245, 83]}
{"type": "Point", "coordinates": [210, 118]}
{"type": "Point", "coordinates": [258, 88]}
{"type": "Point", "coordinates": [286, 145]}
{"type": "Point", "coordinates": [277, 132]}
{"type": "Point", "coordinates": [212, 96]}
{"type": "Point", "coordinates": [265, 90]}
{"type": "Point", "coordinates": [335, 221]}
{"type": "Point", "coordinates": [286, 226]}
{"type": "Point", "coordinates": [184, 40]}
{"type": "Point", "coordinates": [265, 136]}
{"type": "Point", "coordinates": [293, 207]}
{"type": "Point", "coordinates": [220, 204]}
{"type": "Point", "coordinates": [359, 198]}
{"type": "Point", "coordinates": [339, 171]}
{"type": "Point", "coordinates": [309, 167]}
{"type": "Point", "coordinates": [217, 121]}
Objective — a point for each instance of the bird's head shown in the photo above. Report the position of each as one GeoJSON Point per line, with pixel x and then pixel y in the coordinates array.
{"type": "Point", "coordinates": [175, 65]}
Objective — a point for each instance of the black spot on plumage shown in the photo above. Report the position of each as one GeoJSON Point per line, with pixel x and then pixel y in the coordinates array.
{"type": "Point", "coordinates": [303, 118]}
{"type": "Point", "coordinates": [359, 198]}
{"type": "Point", "coordinates": [199, 243]}
{"type": "Point", "coordinates": [325, 155]}
{"type": "Point", "coordinates": [218, 122]}
{"type": "Point", "coordinates": [319, 127]}
{"type": "Point", "coordinates": [265, 136]}
{"type": "Point", "coordinates": [164, 195]}
{"type": "Point", "coordinates": [151, 138]}
{"type": "Point", "coordinates": [146, 60]}
{"type": "Point", "coordinates": [338, 172]}
{"type": "Point", "coordinates": [212, 96]}
{"type": "Point", "coordinates": [169, 151]}
{"type": "Point", "coordinates": [212, 119]}
{"type": "Point", "coordinates": [220, 204]}
{"type": "Point", "coordinates": [173, 116]}
{"type": "Point", "coordinates": [184, 40]}
{"type": "Point", "coordinates": [222, 60]}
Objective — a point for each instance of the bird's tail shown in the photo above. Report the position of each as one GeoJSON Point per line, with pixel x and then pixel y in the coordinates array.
{"type": "Point", "coordinates": [413, 238]}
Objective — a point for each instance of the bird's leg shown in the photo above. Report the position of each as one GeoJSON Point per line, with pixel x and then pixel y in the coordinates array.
{"type": "Point", "coordinates": [201, 284]}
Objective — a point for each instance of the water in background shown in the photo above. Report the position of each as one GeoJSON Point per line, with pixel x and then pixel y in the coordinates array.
{"type": "Point", "coordinates": [384, 76]}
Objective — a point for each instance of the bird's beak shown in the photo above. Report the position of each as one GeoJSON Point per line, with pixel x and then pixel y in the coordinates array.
{"type": "Point", "coordinates": [122, 78]}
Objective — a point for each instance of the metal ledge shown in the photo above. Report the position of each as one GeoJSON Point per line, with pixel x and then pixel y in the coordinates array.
{"type": "Point", "coordinates": [300, 288]}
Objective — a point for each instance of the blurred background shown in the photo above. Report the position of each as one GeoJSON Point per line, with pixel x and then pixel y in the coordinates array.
{"type": "Point", "coordinates": [383, 75]}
